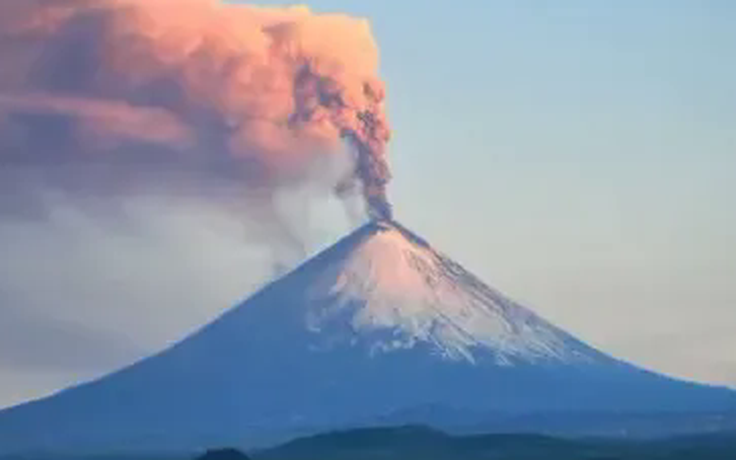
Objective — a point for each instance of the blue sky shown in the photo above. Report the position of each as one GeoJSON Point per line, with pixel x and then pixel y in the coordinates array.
{"type": "Point", "coordinates": [580, 157]}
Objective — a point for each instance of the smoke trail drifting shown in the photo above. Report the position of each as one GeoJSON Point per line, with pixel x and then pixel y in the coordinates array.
{"type": "Point", "coordinates": [133, 89]}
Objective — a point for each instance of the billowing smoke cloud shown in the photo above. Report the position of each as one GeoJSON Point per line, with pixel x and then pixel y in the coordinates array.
{"type": "Point", "coordinates": [104, 96]}
{"type": "Point", "coordinates": [159, 159]}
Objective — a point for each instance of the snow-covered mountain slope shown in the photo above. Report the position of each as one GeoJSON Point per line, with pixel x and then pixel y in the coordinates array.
{"type": "Point", "coordinates": [378, 324]}
{"type": "Point", "coordinates": [395, 285]}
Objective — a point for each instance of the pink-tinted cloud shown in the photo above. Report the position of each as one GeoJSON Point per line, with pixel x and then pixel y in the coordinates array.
{"type": "Point", "coordinates": [254, 93]}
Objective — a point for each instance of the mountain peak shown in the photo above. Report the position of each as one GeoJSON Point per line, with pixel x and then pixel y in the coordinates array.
{"type": "Point", "coordinates": [395, 292]}
{"type": "Point", "coordinates": [378, 324]}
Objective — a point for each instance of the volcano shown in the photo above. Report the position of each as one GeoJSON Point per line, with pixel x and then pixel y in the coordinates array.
{"type": "Point", "coordinates": [378, 324]}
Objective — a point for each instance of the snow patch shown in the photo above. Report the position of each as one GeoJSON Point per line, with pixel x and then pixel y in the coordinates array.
{"type": "Point", "coordinates": [394, 286]}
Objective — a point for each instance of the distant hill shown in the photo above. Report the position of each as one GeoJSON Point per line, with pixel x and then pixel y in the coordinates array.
{"type": "Point", "coordinates": [223, 454]}
{"type": "Point", "coordinates": [415, 442]}
{"type": "Point", "coordinates": [421, 443]}
{"type": "Point", "coordinates": [613, 424]}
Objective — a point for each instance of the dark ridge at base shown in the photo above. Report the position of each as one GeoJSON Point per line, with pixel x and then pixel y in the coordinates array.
{"type": "Point", "coordinates": [418, 442]}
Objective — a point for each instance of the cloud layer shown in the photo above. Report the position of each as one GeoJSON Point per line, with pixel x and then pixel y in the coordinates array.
{"type": "Point", "coordinates": [133, 91]}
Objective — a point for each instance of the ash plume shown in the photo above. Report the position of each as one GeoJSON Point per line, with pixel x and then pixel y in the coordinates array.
{"type": "Point", "coordinates": [106, 96]}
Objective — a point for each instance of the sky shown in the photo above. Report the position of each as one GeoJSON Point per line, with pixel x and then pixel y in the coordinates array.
{"type": "Point", "coordinates": [578, 157]}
